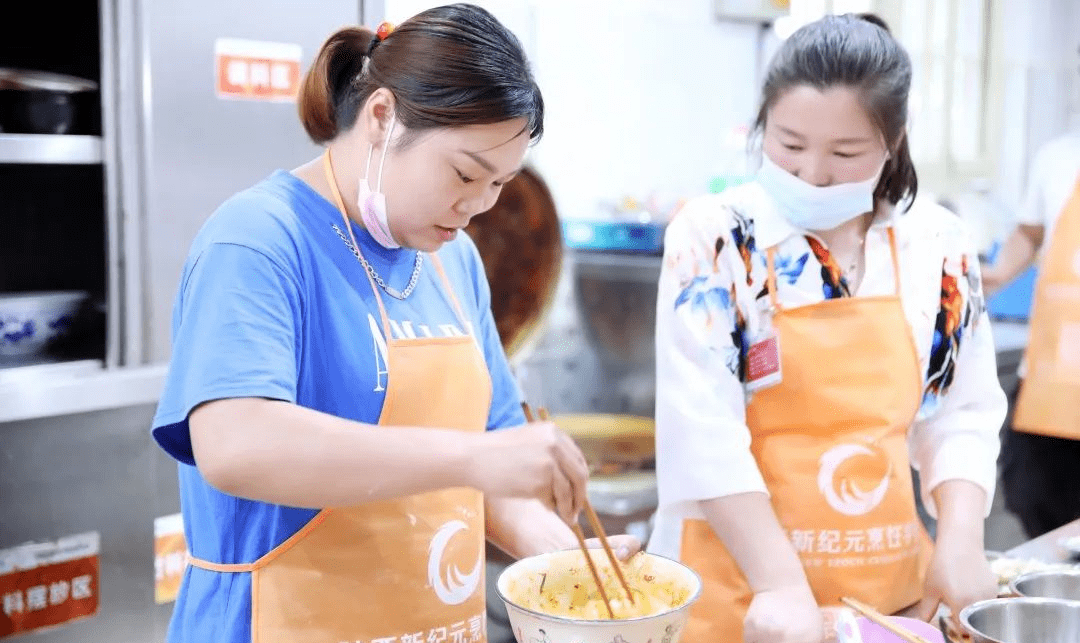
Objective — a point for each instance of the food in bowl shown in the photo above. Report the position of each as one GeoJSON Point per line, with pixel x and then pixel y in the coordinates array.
{"type": "Point", "coordinates": [552, 598]}
{"type": "Point", "coordinates": [568, 589]}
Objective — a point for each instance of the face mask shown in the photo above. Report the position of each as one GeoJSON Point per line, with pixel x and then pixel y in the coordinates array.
{"type": "Point", "coordinates": [373, 204]}
{"type": "Point", "coordinates": [809, 207]}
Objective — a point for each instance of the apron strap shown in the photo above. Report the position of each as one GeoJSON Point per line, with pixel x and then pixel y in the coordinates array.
{"type": "Point", "coordinates": [225, 568]}
{"type": "Point", "coordinates": [895, 259]}
{"type": "Point", "coordinates": [331, 178]}
{"type": "Point", "coordinates": [450, 292]}
{"type": "Point", "coordinates": [770, 259]}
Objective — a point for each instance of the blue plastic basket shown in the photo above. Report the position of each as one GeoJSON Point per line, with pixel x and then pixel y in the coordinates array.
{"type": "Point", "coordinates": [614, 236]}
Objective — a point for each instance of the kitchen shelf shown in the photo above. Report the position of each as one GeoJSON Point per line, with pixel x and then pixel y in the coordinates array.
{"type": "Point", "coordinates": [62, 388]}
{"type": "Point", "coordinates": [54, 149]}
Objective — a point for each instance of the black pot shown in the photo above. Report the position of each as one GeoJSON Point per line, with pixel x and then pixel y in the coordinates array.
{"type": "Point", "coordinates": [36, 102]}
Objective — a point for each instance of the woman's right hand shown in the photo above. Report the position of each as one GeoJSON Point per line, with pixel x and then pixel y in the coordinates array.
{"type": "Point", "coordinates": [787, 614]}
{"type": "Point", "coordinates": [534, 460]}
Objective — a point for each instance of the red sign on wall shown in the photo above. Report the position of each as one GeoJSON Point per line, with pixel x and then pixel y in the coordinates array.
{"type": "Point", "coordinates": [256, 70]}
{"type": "Point", "coordinates": [47, 584]}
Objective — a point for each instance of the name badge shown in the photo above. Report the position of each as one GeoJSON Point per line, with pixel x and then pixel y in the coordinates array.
{"type": "Point", "coordinates": [763, 363]}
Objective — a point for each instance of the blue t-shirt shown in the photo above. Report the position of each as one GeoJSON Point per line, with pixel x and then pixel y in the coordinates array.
{"type": "Point", "coordinates": [272, 303]}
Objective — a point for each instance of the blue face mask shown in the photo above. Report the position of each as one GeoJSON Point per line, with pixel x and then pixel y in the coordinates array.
{"type": "Point", "coordinates": [810, 207]}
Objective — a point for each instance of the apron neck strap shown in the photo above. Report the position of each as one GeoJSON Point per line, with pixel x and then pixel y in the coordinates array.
{"type": "Point", "coordinates": [895, 259]}
{"type": "Point", "coordinates": [770, 260]}
{"type": "Point", "coordinates": [331, 178]}
{"type": "Point", "coordinates": [328, 170]}
{"type": "Point", "coordinates": [435, 261]}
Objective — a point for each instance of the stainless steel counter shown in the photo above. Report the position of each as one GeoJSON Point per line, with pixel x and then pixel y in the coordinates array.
{"type": "Point", "coordinates": [1047, 548]}
{"type": "Point", "coordinates": [50, 390]}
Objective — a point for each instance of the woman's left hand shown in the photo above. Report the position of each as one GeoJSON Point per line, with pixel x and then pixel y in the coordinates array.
{"type": "Point", "coordinates": [959, 575]}
{"type": "Point", "coordinates": [624, 545]}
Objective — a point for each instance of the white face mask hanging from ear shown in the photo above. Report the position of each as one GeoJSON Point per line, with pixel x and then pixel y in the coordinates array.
{"type": "Point", "coordinates": [372, 204]}
{"type": "Point", "coordinates": [811, 207]}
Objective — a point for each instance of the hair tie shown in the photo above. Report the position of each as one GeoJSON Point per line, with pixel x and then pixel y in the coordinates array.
{"type": "Point", "coordinates": [384, 30]}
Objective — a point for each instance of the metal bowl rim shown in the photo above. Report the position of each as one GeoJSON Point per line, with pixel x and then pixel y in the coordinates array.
{"type": "Point", "coordinates": [965, 614]}
{"type": "Point", "coordinates": [1075, 572]}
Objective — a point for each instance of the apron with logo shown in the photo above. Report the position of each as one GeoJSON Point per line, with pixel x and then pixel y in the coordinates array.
{"type": "Point", "coordinates": [408, 569]}
{"type": "Point", "coordinates": [1047, 403]}
{"type": "Point", "coordinates": [831, 442]}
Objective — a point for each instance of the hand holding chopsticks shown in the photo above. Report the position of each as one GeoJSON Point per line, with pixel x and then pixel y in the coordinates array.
{"type": "Point", "coordinates": [598, 528]}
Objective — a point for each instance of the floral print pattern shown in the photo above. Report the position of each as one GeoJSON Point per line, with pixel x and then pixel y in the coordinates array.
{"type": "Point", "coordinates": [720, 289]}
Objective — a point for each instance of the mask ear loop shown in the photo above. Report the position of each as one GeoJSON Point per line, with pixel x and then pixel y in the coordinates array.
{"type": "Point", "coordinates": [386, 147]}
{"type": "Point", "coordinates": [367, 166]}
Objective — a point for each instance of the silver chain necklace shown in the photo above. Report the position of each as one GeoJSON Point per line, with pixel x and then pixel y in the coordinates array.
{"type": "Point", "coordinates": [390, 290]}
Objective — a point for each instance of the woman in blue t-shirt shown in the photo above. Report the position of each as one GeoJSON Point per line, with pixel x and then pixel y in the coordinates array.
{"type": "Point", "coordinates": [336, 364]}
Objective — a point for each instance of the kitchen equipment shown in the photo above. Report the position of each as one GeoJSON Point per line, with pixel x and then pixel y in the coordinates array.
{"type": "Point", "coordinates": [40, 102]}
{"type": "Point", "coordinates": [1063, 584]}
{"type": "Point", "coordinates": [667, 578]}
{"type": "Point", "coordinates": [30, 321]}
{"type": "Point", "coordinates": [1022, 620]}
{"type": "Point", "coordinates": [520, 242]}
{"type": "Point", "coordinates": [616, 296]}
{"type": "Point", "coordinates": [612, 443]}
{"type": "Point", "coordinates": [892, 628]}
{"type": "Point", "coordinates": [871, 632]}
{"type": "Point", "coordinates": [633, 237]}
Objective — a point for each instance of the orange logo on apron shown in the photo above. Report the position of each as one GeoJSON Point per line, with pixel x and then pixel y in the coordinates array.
{"type": "Point", "coordinates": [406, 570]}
{"type": "Point", "coordinates": [1047, 400]}
{"type": "Point", "coordinates": [831, 442]}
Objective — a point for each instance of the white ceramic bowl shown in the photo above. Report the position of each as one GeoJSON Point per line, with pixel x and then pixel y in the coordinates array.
{"type": "Point", "coordinates": [668, 580]}
{"type": "Point", "coordinates": [30, 320]}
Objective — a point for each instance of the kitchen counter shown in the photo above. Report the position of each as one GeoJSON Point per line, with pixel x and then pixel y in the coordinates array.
{"type": "Point", "coordinates": [1046, 548]}
{"type": "Point", "coordinates": [49, 390]}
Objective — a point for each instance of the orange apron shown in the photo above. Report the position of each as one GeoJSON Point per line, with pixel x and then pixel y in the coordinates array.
{"type": "Point", "coordinates": [410, 569]}
{"type": "Point", "coordinates": [1047, 403]}
{"type": "Point", "coordinates": [831, 442]}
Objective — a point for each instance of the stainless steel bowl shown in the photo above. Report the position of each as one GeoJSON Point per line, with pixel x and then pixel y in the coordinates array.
{"type": "Point", "coordinates": [1022, 620]}
{"type": "Point", "coordinates": [1048, 584]}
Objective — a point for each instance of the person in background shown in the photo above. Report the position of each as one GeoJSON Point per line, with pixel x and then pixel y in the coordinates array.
{"type": "Point", "coordinates": [819, 330]}
{"type": "Point", "coordinates": [1040, 452]}
{"type": "Point", "coordinates": [335, 360]}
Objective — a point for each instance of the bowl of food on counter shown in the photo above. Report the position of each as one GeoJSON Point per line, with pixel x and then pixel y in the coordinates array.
{"type": "Point", "coordinates": [1022, 620]}
{"type": "Point", "coordinates": [553, 598]}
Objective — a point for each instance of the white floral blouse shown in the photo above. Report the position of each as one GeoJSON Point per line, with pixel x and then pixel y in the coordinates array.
{"type": "Point", "coordinates": [713, 299]}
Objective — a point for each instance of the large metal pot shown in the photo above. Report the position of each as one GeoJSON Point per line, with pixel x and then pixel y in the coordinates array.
{"type": "Point", "coordinates": [39, 102]}
{"type": "Point", "coordinates": [1022, 620]}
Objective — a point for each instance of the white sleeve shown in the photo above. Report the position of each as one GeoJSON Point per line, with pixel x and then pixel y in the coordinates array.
{"type": "Point", "coordinates": [960, 439]}
{"type": "Point", "coordinates": [702, 441]}
{"type": "Point", "coordinates": [1033, 208]}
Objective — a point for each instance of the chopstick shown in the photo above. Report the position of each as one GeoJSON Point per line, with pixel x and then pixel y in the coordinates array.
{"type": "Point", "coordinates": [592, 568]}
{"type": "Point", "coordinates": [884, 621]}
{"type": "Point", "coordinates": [597, 526]}
{"type": "Point", "coordinates": [578, 533]}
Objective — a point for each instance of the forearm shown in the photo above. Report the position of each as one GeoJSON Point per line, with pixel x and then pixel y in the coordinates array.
{"type": "Point", "coordinates": [747, 525]}
{"type": "Point", "coordinates": [285, 454]}
{"type": "Point", "coordinates": [961, 504]}
{"type": "Point", "coordinates": [1015, 256]}
{"type": "Point", "coordinates": [524, 527]}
